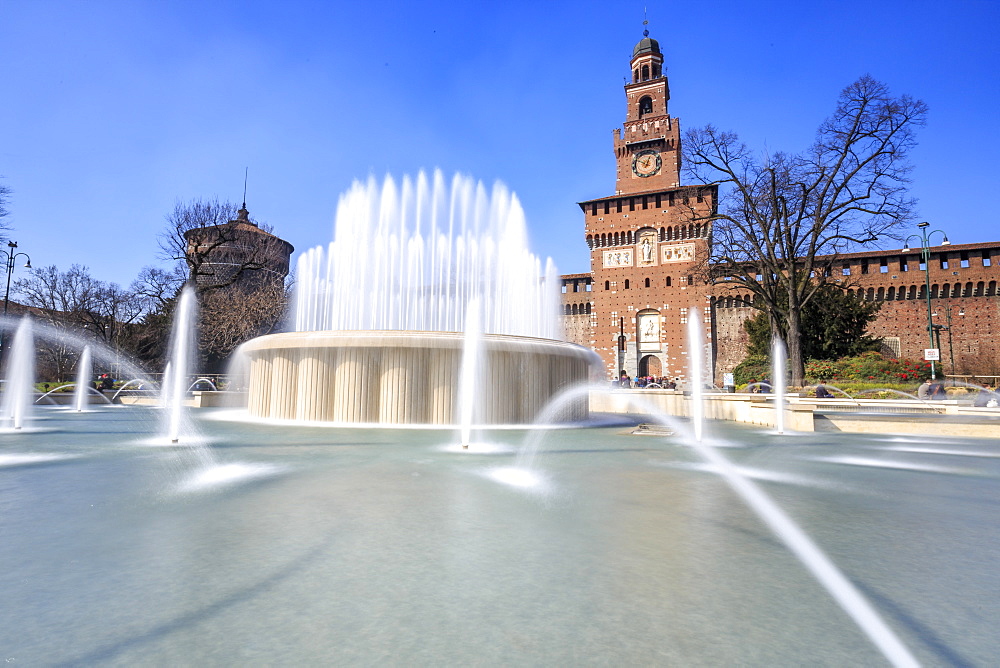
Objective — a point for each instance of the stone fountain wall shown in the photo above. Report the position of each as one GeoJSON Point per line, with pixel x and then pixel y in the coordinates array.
{"type": "Point", "coordinates": [405, 377]}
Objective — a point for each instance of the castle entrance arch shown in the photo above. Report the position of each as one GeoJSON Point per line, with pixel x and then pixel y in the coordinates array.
{"type": "Point", "coordinates": [650, 365]}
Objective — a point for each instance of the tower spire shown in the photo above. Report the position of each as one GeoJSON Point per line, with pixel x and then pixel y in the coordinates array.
{"type": "Point", "coordinates": [245, 174]}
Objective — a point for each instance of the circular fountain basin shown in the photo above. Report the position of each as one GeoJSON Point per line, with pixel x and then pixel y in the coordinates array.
{"type": "Point", "coordinates": [408, 377]}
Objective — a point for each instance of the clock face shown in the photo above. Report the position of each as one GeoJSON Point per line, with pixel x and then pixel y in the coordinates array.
{"type": "Point", "coordinates": [646, 163]}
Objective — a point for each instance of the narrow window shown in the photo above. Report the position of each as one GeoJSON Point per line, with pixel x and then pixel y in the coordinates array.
{"type": "Point", "coordinates": [647, 282]}
{"type": "Point", "coordinates": [668, 281]}
{"type": "Point", "coordinates": [883, 266]}
{"type": "Point", "coordinates": [986, 259]}
{"type": "Point", "coordinates": [965, 260]}
{"type": "Point", "coordinates": [626, 284]}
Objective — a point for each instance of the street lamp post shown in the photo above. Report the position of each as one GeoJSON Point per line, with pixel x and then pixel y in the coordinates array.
{"type": "Point", "coordinates": [925, 255]}
{"type": "Point", "coordinates": [11, 257]}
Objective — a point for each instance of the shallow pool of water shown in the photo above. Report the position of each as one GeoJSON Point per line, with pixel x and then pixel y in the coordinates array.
{"type": "Point", "coordinates": [316, 545]}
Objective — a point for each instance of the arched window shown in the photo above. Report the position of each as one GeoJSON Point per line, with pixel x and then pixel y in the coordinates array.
{"type": "Point", "coordinates": [871, 294]}
{"type": "Point", "coordinates": [891, 294]}
{"type": "Point", "coordinates": [945, 289]}
{"type": "Point", "coordinates": [647, 282]}
{"type": "Point", "coordinates": [880, 294]}
{"type": "Point", "coordinates": [573, 310]}
{"type": "Point", "coordinates": [980, 289]}
{"type": "Point", "coordinates": [991, 291]}
{"type": "Point", "coordinates": [626, 284]}
{"type": "Point", "coordinates": [668, 281]}
{"type": "Point", "coordinates": [968, 290]}
{"type": "Point", "coordinates": [645, 106]}
{"type": "Point", "coordinates": [588, 307]}
{"type": "Point", "coordinates": [607, 285]}
{"type": "Point", "coordinates": [663, 234]}
{"type": "Point", "coordinates": [645, 73]}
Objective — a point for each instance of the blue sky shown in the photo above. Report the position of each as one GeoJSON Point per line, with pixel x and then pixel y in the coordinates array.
{"type": "Point", "coordinates": [113, 111]}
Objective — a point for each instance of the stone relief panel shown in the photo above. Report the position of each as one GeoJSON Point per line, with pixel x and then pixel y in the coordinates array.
{"type": "Point", "coordinates": [618, 258]}
{"type": "Point", "coordinates": [677, 253]}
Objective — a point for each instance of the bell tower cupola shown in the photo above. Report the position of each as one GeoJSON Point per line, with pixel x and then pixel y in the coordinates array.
{"type": "Point", "coordinates": [647, 61]}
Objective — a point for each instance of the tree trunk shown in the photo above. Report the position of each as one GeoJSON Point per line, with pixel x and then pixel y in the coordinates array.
{"type": "Point", "coordinates": [793, 341]}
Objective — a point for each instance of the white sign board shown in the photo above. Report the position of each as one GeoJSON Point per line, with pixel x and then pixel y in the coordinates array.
{"type": "Point", "coordinates": [727, 379]}
{"type": "Point", "coordinates": [932, 354]}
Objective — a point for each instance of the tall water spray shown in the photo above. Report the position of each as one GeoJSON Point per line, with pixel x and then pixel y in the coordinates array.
{"type": "Point", "coordinates": [413, 256]}
{"type": "Point", "coordinates": [82, 391]}
{"type": "Point", "coordinates": [696, 370]}
{"type": "Point", "coordinates": [177, 371]}
{"type": "Point", "coordinates": [471, 359]}
{"type": "Point", "coordinates": [20, 377]}
{"type": "Point", "coordinates": [778, 384]}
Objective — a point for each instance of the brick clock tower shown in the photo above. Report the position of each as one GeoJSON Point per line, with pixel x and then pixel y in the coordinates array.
{"type": "Point", "coordinates": [647, 249]}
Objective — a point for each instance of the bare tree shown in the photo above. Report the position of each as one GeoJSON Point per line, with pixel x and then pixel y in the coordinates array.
{"type": "Point", "coordinates": [76, 302]}
{"type": "Point", "coordinates": [4, 211]}
{"type": "Point", "coordinates": [232, 317]}
{"type": "Point", "coordinates": [157, 287]}
{"type": "Point", "coordinates": [784, 218]}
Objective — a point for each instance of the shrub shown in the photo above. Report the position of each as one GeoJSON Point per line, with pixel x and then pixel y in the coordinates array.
{"type": "Point", "coordinates": [753, 368]}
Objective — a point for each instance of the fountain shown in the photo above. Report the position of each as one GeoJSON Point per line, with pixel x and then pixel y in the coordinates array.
{"type": "Point", "coordinates": [19, 388]}
{"type": "Point", "coordinates": [82, 390]}
{"type": "Point", "coordinates": [779, 374]}
{"type": "Point", "coordinates": [176, 372]}
{"type": "Point", "coordinates": [469, 376]}
{"type": "Point", "coordinates": [381, 314]}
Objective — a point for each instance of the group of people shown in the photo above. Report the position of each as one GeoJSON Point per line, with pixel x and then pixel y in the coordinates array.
{"type": "Point", "coordinates": [930, 389]}
{"type": "Point", "coordinates": [647, 381]}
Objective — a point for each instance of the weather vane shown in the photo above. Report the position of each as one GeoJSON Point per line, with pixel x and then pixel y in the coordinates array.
{"type": "Point", "coordinates": [645, 22]}
{"type": "Point", "coordinates": [245, 173]}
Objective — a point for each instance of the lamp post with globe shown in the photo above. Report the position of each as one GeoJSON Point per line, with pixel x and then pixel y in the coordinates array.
{"type": "Point", "coordinates": [925, 257]}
